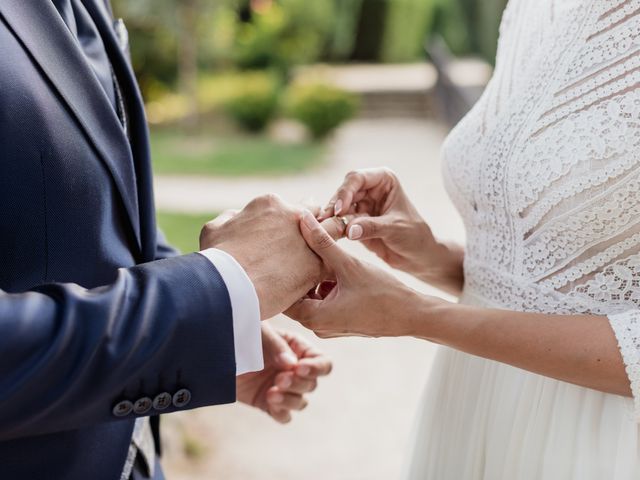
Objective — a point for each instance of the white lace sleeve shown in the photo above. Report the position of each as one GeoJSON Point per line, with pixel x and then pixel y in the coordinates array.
{"type": "Point", "coordinates": [626, 327]}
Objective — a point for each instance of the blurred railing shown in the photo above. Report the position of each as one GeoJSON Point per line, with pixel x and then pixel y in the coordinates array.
{"type": "Point", "coordinates": [452, 100]}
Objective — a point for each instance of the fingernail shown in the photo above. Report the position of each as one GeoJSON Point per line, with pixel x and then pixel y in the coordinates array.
{"type": "Point", "coordinates": [355, 232]}
{"type": "Point", "coordinates": [288, 358]}
{"type": "Point", "coordinates": [338, 207]}
{"type": "Point", "coordinates": [277, 398]}
{"type": "Point", "coordinates": [285, 382]}
{"type": "Point", "coordinates": [308, 219]}
{"type": "Point", "coordinates": [304, 370]}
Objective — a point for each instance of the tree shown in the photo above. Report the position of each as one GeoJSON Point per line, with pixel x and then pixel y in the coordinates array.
{"type": "Point", "coordinates": [187, 28]}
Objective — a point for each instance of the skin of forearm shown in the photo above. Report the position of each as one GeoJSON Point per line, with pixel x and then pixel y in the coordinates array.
{"type": "Point", "coordinates": [443, 268]}
{"type": "Point", "coordinates": [579, 349]}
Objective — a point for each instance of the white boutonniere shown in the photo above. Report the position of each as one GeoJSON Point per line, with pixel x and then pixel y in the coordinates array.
{"type": "Point", "coordinates": [122, 34]}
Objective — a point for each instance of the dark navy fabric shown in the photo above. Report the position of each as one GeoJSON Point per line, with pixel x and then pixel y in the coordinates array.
{"type": "Point", "coordinates": [141, 473]}
{"type": "Point", "coordinates": [89, 315]}
{"type": "Point", "coordinates": [81, 25]}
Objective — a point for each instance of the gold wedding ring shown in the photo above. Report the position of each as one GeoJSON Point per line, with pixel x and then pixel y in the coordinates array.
{"type": "Point", "coordinates": [343, 220]}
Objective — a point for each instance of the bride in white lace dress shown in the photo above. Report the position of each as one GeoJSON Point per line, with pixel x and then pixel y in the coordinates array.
{"type": "Point", "coordinates": [542, 355]}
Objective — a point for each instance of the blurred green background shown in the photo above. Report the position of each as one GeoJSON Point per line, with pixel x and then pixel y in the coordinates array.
{"type": "Point", "coordinates": [191, 55]}
{"type": "Point", "coordinates": [216, 74]}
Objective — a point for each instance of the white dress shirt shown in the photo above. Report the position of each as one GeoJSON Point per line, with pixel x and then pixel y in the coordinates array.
{"type": "Point", "coordinates": [247, 335]}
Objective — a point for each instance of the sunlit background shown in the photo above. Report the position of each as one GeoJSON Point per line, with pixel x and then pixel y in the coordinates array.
{"type": "Point", "coordinates": [246, 97]}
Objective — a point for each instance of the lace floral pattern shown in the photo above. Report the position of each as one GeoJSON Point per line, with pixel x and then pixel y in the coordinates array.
{"type": "Point", "coordinates": [545, 169]}
{"type": "Point", "coordinates": [626, 327]}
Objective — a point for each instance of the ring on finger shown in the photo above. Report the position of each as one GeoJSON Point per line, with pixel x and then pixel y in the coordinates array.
{"type": "Point", "coordinates": [343, 220]}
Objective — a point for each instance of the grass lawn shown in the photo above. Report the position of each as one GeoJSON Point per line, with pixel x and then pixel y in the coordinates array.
{"type": "Point", "coordinates": [202, 154]}
{"type": "Point", "coordinates": [183, 229]}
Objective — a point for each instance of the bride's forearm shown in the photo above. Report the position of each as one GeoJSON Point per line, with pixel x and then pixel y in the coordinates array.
{"type": "Point", "coordinates": [444, 269]}
{"type": "Point", "coordinates": [579, 349]}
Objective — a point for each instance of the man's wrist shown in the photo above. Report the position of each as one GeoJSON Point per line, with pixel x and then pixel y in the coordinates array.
{"type": "Point", "coordinates": [246, 310]}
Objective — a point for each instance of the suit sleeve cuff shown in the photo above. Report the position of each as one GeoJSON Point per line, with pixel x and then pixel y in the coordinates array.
{"type": "Point", "coordinates": [246, 311]}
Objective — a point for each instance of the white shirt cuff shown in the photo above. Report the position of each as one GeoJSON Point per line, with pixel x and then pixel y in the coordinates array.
{"type": "Point", "coordinates": [247, 334]}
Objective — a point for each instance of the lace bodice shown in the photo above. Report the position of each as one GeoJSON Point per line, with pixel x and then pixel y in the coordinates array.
{"type": "Point", "coordinates": [545, 169]}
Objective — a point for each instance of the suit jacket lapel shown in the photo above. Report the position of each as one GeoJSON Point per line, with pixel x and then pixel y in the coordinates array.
{"type": "Point", "coordinates": [46, 37]}
{"type": "Point", "coordinates": [103, 18]}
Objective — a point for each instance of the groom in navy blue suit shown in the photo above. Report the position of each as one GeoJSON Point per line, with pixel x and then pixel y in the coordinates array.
{"type": "Point", "coordinates": [102, 324]}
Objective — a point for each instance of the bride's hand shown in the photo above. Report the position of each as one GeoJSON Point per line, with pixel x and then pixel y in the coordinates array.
{"type": "Point", "coordinates": [361, 300]}
{"type": "Point", "coordinates": [382, 217]}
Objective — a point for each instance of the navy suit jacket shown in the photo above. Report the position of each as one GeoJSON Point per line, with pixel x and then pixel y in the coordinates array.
{"type": "Point", "coordinates": [94, 308]}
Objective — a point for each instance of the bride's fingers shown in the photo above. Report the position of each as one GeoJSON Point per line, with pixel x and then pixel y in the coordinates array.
{"type": "Point", "coordinates": [345, 206]}
{"type": "Point", "coordinates": [336, 227]}
{"type": "Point", "coordinates": [360, 181]}
{"type": "Point", "coordinates": [304, 311]}
{"type": "Point", "coordinates": [361, 204]}
{"type": "Point", "coordinates": [321, 242]}
{"type": "Point", "coordinates": [357, 186]}
{"type": "Point", "coordinates": [365, 228]}
{"type": "Point", "coordinates": [366, 205]}
{"type": "Point", "coordinates": [328, 210]}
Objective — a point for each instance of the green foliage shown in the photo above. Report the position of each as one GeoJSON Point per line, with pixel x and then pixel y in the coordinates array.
{"type": "Point", "coordinates": [321, 108]}
{"type": "Point", "coordinates": [194, 448]}
{"type": "Point", "coordinates": [201, 153]}
{"type": "Point", "coordinates": [489, 16]}
{"type": "Point", "coordinates": [254, 102]}
{"type": "Point", "coordinates": [469, 26]}
{"type": "Point", "coordinates": [278, 35]}
{"type": "Point", "coordinates": [153, 42]}
{"type": "Point", "coordinates": [283, 34]}
{"type": "Point", "coordinates": [345, 24]}
{"type": "Point", "coordinates": [408, 22]}
{"type": "Point", "coordinates": [183, 229]}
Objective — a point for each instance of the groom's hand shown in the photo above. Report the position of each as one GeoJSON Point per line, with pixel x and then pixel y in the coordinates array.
{"type": "Point", "coordinates": [292, 368]}
{"type": "Point", "coordinates": [265, 239]}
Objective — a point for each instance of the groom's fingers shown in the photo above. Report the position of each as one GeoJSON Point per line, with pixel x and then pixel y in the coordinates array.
{"type": "Point", "coordinates": [334, 227]}
{"type": "Point", "coordinates": [314, 367]}
{"type": "Point", "coordinates": [223, 218]}
{"type": "Point", "coordinates": [278, 349]}
{"type": "Point", "coordinates": [288, 382]}
{"type": "Point", "coordinates": [322, 243]}
{"type": "Point", "coordinates": [280, 416]}
{"type": "Point", "coordinates": [279, 400]}
{"type": "Point", "coordinates": [300, 346]}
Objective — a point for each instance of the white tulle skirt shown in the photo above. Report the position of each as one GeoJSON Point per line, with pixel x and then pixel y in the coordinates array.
{"type": "Point", "coordinates": [481, 419]}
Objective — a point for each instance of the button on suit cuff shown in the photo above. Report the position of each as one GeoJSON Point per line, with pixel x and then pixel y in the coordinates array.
{"type": "Point", "coordinates": [246, 311]}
